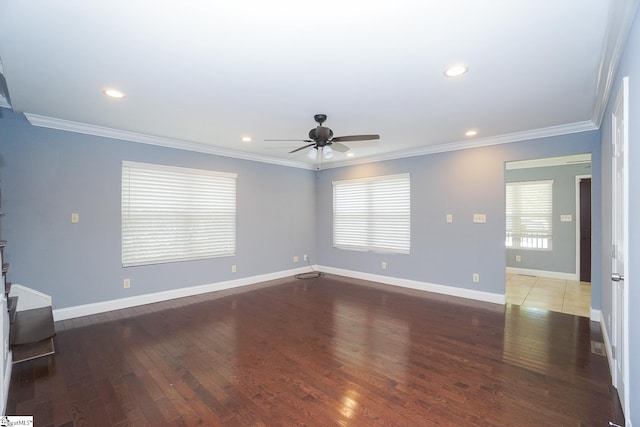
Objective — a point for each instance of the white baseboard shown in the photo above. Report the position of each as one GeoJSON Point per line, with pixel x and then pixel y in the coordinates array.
{"type": "Point", "coordinates": [543, 273]}
{"type": "Point", "coordinates": [7, 383]}
{"type": "Point", "coordinates": [607, 346]}
{"type": "Point", "coordinates": [422, 286]}
{"type": "Point", "coordinates": [118, 304]}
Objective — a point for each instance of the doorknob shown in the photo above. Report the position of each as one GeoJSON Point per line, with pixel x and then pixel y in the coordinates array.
{"type": "Point", "coordinates": [617, 277]}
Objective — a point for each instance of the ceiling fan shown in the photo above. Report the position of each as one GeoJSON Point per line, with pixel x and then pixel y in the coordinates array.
{"type": "Point", "coordinates": [321, 137]}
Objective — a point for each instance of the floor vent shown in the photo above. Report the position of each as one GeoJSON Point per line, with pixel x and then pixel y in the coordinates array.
{"type": "Point", "coordinates": [598, 348]}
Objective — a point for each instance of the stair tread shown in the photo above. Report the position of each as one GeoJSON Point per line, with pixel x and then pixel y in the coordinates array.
{"type": "Point", "coordinates": [24, 352]}
{"type": "Point", "coordinates": [32, 326]}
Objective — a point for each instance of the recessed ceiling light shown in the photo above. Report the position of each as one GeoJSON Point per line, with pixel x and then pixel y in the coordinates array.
{"type": "Point", "coordinates": [350, 154]}
{"type": "Point", "coordinates": [113, 93]}
{"type": "Point", "coordinates": [471, 132]}
{"type": "Point", "coordinates": [246, 139]}
{"type": "Point", "coordinates": [455, 71]}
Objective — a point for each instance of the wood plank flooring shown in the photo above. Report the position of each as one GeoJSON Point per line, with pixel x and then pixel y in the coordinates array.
{"type": "Point", "coordinates": [320, 352]}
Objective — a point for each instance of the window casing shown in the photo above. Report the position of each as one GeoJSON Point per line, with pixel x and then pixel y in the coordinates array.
{"type": "Point", "coordinates": [529, 212]}
{"type": "Point", "coordinates": [176, 214]}
{"type": "Point", "coordinates": [373, 214]}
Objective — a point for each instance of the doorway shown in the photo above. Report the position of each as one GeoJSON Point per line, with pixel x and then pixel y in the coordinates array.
{"type": "Point", "coordinates": [554, 277]}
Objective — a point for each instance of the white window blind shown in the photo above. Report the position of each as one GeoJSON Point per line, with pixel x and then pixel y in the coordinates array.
{"type": "Point", "coordinates": [373, 214]}
{"type": "Point", "coordinates": [529, 214]}
{"type": "Point", "coordinates": [176, 214]}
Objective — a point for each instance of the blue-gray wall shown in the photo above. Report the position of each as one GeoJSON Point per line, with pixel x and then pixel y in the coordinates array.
{"type": "Point", "coordinates": [562, 255]}
{"type": "Point", "coordinates": [460, 183]}
{"type": "Point", "coordinates": [47, 174]}
{"type": "Point", "coordinates": [629, 66]}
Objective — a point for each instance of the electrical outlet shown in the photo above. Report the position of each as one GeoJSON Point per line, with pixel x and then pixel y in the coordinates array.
{"type": "Point", "coordinates": [126, 283]}
{"type": "Point", "coordinates": [306, 257]}
{"type": "Point", "coordinates": [383, 265]}
{"type": "Point", "coordinates": [234, 268]}
{"type": "Point", "coordinates": [518, 258]}
{"type": "Point", "coordinates": [476, 278]}
{"type": "Point", "coordinates": [295, 258]}
{"type": "Point", "coordinates": [449, 218]}
{"type": "Point", "coordinates": [75, 218]}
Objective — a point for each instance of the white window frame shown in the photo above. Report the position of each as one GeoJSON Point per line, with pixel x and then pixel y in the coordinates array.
{"type": "Point", "coordinates": [373, 214]}
{"type": "Point", "coordinates": [172, 214]}
{"type": "Point", "coordinates": [529, 215]}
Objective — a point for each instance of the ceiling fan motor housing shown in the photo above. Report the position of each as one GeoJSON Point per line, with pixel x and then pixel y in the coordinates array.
{"type": "Point", "coordinates": [321, 135]}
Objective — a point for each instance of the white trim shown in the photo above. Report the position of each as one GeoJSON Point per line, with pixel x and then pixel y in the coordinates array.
{"type": "Point", "coordinates": [544, 162]}
{"type": "Point", "coordinates": [7, 382]}
{"type": "Point", "coordinates": [543, 273]}
{"type": "Point", "coordinates": [476, 143]}
{"type": "Point", "coordinates": [595, 315]}
{"type": "Point", "coordinates": [88, 129]}
{"type": "Point", "coordinates": [29, 298]}
{"type": "Point", "coordinates": [421, 286]}
{"type": "Point", "coordinates": [123, 135]}
{"type": "Point", "coordinates": [118, 304]}
{"type": "Point", "coordinates": [607, 346]}
{"type": "Point", "coordinates": [619, 22]}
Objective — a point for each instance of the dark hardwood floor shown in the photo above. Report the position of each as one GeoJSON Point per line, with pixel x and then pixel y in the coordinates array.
{"type": "Point", "coordinates": [320, 352]}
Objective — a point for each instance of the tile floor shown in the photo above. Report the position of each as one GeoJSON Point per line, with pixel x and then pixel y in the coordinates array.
{"type": "Point", "coordinates": [565, 296]}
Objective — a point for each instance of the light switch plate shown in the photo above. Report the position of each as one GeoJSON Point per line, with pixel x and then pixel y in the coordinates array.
{"type": "Point", "coordinates": [480, 218]}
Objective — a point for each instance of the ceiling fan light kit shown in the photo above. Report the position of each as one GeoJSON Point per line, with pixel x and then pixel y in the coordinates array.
{"type": "Point", "coordinates": [327, 152]}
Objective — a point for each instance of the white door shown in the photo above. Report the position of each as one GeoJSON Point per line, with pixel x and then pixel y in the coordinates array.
{"type": "Point", "coordinates": [619, 264]}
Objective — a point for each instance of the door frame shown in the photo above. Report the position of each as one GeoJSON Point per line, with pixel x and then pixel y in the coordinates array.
{"type": "Point", "coordinates": [617, 330]}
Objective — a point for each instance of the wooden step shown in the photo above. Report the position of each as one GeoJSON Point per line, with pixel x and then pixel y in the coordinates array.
{"type": "Point", "coordinates": [32, 326]}
{"type": "Point", "coordinates": [24, 352]}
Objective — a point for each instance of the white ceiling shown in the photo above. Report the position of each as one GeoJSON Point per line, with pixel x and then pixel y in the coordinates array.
{"type": "Point", "coordinates": [202, 74]}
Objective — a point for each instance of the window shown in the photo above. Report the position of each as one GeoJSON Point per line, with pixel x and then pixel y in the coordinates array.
{"type": "Point", "coordinates": [176, 214]}
{"type": "Point", "coordinates": [529, 214]}
{"type": "Point", "coordinates": [373, 214]}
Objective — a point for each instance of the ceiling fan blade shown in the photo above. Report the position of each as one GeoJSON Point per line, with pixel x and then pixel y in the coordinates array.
{"type": "Point", "coordinates": [285, 140]}
{"type": "Point", "coordinates": [302, 148]}
{"type": "Point", "coordinates": [339, 147]}
{"type": "Point", "coordinates": [355, 138]}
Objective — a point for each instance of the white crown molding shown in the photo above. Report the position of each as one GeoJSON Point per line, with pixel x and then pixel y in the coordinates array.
{"type": "Point", "coordinates": [475, 143]}
{"type": "Point", "coordinates": [105, 132]}
{"type": "Point", "coordinates": [619, 22]}
{"type": "Point", "coordinates": [88, 129]}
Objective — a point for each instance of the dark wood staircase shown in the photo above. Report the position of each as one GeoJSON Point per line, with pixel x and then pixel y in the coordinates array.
{"type": "Point", "coordinates": [31, 331]}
